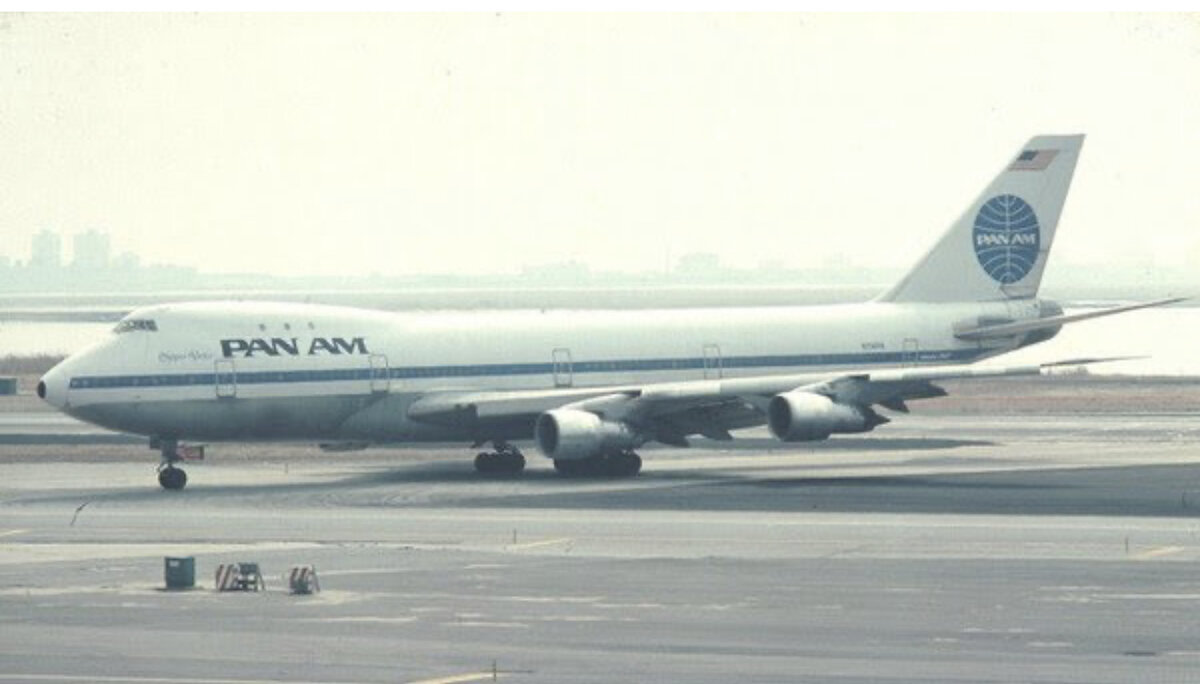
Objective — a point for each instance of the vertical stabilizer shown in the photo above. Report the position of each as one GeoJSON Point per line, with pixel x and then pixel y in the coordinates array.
{"type": "Point", "coordinates": [997, 249]}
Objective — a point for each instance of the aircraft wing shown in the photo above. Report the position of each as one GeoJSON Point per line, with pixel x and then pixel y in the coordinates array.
{"type": "Point", "coordinates": [459, 409]}
{"type": "Point", "coordinates": [670, 412]}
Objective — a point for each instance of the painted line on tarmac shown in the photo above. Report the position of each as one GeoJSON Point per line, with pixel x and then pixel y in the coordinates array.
{"type": "Point", "coordinates": [362, 571]}
{"type": "Point", "coordinates": [12, 533]}
{"type": "Point", "coordinates": [538, 544]}
{"type": "Point", "coordinates": [462, 678]}
{"type": "Point", "coordinates": [1158, 553]}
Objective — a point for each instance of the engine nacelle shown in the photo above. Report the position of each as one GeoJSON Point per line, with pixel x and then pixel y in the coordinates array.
{"type": "Point", "coordinates": [808, 417]}
{"type": "Point", "coordinates": [567, 434]}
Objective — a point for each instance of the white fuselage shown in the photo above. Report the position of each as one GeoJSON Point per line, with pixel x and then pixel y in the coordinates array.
{"type": "Point", "coordinates": [230, 371]}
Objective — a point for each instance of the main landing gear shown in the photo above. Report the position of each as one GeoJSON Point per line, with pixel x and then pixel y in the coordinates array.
{"type": "Point", "coordinates": [170, 477]}
{"type": "Point", "coordinates": [620, 464]}
{"type": "Point", "coordinates": [505, 460]}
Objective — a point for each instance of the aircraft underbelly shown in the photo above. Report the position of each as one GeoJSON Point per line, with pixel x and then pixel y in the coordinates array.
{"type": "Point", "coordinates": [268, 418]}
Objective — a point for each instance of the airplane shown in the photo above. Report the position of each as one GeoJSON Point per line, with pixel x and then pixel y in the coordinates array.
{"type": "Point", "coordinates": [588, 387]}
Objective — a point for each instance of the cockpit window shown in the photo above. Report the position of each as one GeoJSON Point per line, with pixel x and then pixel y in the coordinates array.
{"type": "Point", "coordinates": [132, 324]}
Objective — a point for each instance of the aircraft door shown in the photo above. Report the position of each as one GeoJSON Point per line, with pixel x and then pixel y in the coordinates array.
{"type": "Point", "coordinates": [561, 366]}
{"type": "Point", "coordinates": [225, 378]}
{"type": "Point", "coordinates": [712, 362]}
{"type": "Point", "coordinates": [380, 376]}
{"type": "Point", "coordinates": [911, 353]}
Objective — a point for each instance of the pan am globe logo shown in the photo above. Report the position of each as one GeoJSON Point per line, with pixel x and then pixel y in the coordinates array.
{"type": "Point", "coordinates": [1007, 238]}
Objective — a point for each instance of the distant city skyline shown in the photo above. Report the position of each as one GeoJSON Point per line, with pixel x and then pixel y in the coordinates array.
{"type": "Point", "coordinates": [92, 271]}
{"type": "Point", "coordinates": [92, 250]}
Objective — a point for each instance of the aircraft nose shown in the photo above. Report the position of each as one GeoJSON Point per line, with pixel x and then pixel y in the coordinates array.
{"type": "Point", "coordinates": [52, 388]}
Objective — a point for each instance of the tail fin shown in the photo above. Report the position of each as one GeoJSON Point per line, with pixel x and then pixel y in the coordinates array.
{"type": "Point", "coordinates": [997, 249]}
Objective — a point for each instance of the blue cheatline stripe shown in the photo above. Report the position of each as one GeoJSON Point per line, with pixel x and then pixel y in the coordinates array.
{"type": "Point", "coordinates": [511, 369]}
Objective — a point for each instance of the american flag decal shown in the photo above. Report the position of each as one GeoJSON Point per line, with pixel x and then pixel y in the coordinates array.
{"type": "Point", "coordinates": [1033, 160]}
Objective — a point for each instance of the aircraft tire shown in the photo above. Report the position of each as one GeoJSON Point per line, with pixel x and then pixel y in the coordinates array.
{"type": "Point", "coordinates": [627, 464]}
{"type": "Point", "coordinates": [514, 462]}
{"type": "Point", "coordinates": [172, 478]}
{"type": "Point", "coordinates": [485, 463]}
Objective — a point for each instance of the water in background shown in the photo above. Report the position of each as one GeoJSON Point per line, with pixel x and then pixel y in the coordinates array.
{"type": "Point", "coordinates": [1165, 337]}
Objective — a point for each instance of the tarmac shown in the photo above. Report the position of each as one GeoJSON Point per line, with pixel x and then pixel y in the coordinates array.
{"type": "Point", "coordinates": [1050, 543]}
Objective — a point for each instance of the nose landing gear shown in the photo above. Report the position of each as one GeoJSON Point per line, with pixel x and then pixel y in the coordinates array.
{"type": "Point", "coordinates": [170, 477]}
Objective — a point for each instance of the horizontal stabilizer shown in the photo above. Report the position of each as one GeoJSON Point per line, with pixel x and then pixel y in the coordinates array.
{"type": "Point", "coordinates": [1019, 327]}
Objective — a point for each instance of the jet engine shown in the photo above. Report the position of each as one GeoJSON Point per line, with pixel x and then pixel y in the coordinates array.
{"type": "Point", "coordinates": [568, 434]}
{"type": "Point", "coordinates": [807, 417]}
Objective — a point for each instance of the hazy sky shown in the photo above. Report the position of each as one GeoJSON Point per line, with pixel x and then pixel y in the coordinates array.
{"type": "Point", "coordinates": [318, 144]}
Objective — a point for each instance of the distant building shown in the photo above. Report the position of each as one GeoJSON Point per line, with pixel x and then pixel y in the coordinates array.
{"type": "Point", "coordinates": [565, 272]}
{"type": "Point", "coordinates": [699, 265]}
{"type": "Point", "coordinates": [127, 261]}
{"type": "Point", "coordinates": [91, 250]}
{"type": "Point", "coordinates": [47, 250]}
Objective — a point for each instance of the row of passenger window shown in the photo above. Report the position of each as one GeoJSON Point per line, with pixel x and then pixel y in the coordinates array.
{"type": "Point", "coordinates": [224, 377]}
{"type": "Point", "coordinates": [182, 380]}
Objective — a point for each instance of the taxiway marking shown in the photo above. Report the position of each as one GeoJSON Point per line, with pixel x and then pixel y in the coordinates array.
{"type": "Point", "coordinates": [1158, 553]}
{"type": "Point", "coordinates": [12, 533]}
{"type": "Point", "coordinates": [537, 544]}
{"type": "Point", "coordinates": [460, 679]}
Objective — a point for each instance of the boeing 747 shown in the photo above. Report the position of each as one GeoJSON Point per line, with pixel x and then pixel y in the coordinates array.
{"type": "Point", "coordinates": [588, 387]}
